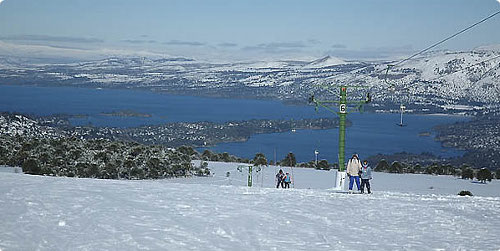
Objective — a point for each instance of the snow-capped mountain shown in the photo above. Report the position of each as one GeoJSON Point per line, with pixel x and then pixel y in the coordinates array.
{"type": "Point", "coordinates": [455, 76]}
{"type": "Point", "coordinates": [443, 80]}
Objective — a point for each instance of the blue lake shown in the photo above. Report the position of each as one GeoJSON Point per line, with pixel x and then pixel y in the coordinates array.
{"type": "Point", "coordinates": [370, 133]}
{"type": "Point", "coordinates": [163, 108]}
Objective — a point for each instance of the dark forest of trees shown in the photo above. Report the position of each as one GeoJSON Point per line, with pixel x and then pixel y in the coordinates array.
{"type": "Point", "coordinates": [464, 171]}
{"type": "Point", "coordinates": [102, 159]}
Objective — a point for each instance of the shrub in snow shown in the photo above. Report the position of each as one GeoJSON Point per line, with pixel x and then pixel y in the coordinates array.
{"type": "Point", "coordinates": [323, 165]}
{"type": "Point", "coordinates": [189, 151]}
{"type": "Point", "coordinates": [203, 164]}
{"type": "Point", "coordinates": [465, 193]}
{"type": "Point", "coordinates": [137, 173]}
{"type": "Point", "coordinates": [203, 169]}
{"type": "Point", "coordinates": [310, 164]}
{"type": "Point", "coordinates": [382, 166]}
{"type": "Point", "coordinates": [467, 173]}
{"type": "Point", "coordinates": [418, 168]}
{"type": "Point", "coordinates": [396, 167]}
{"type": "Point", "coordinates": [224, 157]}
{"type": "Point", "coordinates": [289, 160]}
{"type": "Point", "coordinates": [484, 175]}
{"type": "Point", "coordinates": [31, 166]}
{"type": "Point", "coordinates": [259, 160]}
{"type": "Point", "coordinates": [431, 169]}
{"type": "Point", "coordinates": [203, 172]}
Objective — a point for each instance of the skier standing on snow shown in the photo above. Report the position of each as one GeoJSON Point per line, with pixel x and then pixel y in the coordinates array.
{"type": "Point", "coordinates": [280, 176]}
{"type": "Point", "coordinates": [287, 180]}
{"type": "Point", "coordinates": [353, 170]}
{"type": "Point", "coordinates": [366, 176]}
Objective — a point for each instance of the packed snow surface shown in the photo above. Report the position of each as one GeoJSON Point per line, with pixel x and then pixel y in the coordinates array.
{"type": "Point", "coordinates": [415, 212]}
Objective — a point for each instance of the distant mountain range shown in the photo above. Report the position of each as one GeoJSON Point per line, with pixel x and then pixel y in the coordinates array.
{"type": "Point", "coordinates": [464, 81]}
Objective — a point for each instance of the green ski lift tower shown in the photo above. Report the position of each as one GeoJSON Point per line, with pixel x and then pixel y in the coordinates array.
{"type": "Point", "coordinates": [344, 107]}
{"type": "Point", "coordinates": [250, 172]}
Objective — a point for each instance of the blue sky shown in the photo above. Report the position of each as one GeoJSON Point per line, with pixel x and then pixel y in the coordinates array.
{"type": "Point", "coordinates": [244, 28]}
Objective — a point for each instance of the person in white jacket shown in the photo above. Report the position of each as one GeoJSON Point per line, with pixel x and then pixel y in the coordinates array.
{"type": "Point", "coordinates": [353, 170]}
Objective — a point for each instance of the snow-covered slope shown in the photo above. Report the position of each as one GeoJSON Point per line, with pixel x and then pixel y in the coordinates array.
{"type": "Point", "coordinates": [467, 75]}
{"type": "Point", "coordinates": [306, 178]}
{"type": "Point", "coordinates": [51, 213]}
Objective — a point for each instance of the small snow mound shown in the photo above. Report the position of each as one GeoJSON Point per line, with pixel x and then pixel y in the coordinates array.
{"type": "Point", "coordinates": [222, 233]}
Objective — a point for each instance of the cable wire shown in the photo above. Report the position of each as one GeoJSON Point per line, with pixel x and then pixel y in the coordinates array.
{"type": "Point", "coordinates": [448, 38]}
{"type": "Point", "coordinates": [420, 52]}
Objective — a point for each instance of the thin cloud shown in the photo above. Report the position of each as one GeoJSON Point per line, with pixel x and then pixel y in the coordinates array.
{"type": "Point", "coordinates": [185, 43]}
{"type": "Point", "coordinates": [276, 47]}
{"type": "Point", "coordinates": [1, 1]}
{"type": "Point", "coordinates": [139, 41]}
{"type": "Point", "coordinates": [46, 38]}
{"type": "Point", "coordinates": [227, 45]}
{"type": "Point", "coordinates": [313, 41]}
{"type": "Point", "coordinates": [283, 45]}
{"type": "Point", "coordinates": [339, 46]}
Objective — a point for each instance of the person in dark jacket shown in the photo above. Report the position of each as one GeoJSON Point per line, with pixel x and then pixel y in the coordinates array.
{"type": "Point", "coordinates": [366, 176]}
{"type": "Point", "coordinates": [279, 177]}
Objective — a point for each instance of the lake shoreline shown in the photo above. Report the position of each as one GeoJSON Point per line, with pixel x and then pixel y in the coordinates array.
{"type": "Point", "coordinates": [369, 127]}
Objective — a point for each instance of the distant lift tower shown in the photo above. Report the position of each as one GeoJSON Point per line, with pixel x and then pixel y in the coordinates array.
{"type": "Point", "coordinates": [343, 106]}
{"type": "Point", "coordinates": [250, 172]}
{"type": "Point", "coordinates": [401, 110]}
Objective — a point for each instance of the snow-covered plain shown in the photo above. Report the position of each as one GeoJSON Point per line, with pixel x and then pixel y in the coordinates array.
{"type": "Point", "coordinates": [409, 212]}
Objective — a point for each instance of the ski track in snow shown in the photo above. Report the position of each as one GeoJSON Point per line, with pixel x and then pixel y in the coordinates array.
{"type": "Point", "coordinates": [56, 213]}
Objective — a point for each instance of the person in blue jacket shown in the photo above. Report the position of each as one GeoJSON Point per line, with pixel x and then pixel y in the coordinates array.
{"type": "Point", "coordinates": [366, 176]}
{"type": "Point", "coordinates": [287, 180]}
